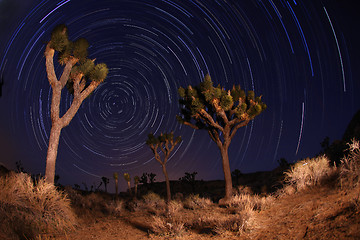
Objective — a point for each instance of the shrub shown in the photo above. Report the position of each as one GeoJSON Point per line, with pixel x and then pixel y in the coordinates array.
{"type": "Point", "coordinates": [220, 223]}
{"type": "Point", "coordinates": [196, 202]}
{"type": "Point", "coordinates": [167, 226]}
{"type": "Point", "coordinates": [308, 172]}
{"type": "Point", "coordinates": [350, 166]}
{"type": "Point", "coordinates": [29, 210]}
{"type": "Point", "coordinates": [249, 202]}
{"type": "Point", "coordinates": [150, 202]}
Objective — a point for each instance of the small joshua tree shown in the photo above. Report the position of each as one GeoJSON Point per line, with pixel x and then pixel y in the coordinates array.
{"type": "Point", "coordinates": [80, 75]}
{"type": "Point", "coordinates": [152, 177]}
{"type": "Point", "coordinates": [128, 179]}
{"type": "Point", "coordinates": [144, 179]}
{"type": "Point", "coordinates": [116, 177]}
{"type": "Point", "coordinates": [189, 179]}
{"type": "Point", "coordinates": [165, 143]}
{"type": "Point", "coordinates": [105, 181]}
{"type": "Point", "coordinates": [236, 174]}
{"type": "Point", "coordinates": [136, 182]}
{"type": "Point", "coordinates": [221, 113]}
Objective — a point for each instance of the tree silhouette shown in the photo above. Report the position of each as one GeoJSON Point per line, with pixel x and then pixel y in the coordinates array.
{"type": "Point", "coordinates": [166, 143]}
{"type": "Point", "coordinates": [236, 174]}
{"type": "Point", "coordinates": [105, 181]}
{"type": "Point", "coordinates": [80, 75]}
{"type": "Point", "coordinates": [221, 113]}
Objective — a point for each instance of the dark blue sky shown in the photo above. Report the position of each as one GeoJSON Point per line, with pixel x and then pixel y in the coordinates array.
{"type": "Point", "coordinates": [302, 56]}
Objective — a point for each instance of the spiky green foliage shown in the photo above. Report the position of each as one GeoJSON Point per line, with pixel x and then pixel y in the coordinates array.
{"type": "Point", "coordinates": [218, 103]}
{"type": "Point", "coordinates": [99, 72]}
{"type": "Point", "coordinates": [115, 175]}
{"type": "Point", "coordinates": [80, 47]}
{"type": "Point", "coordinates": [127, 177]}
{"type": "Point", "coordinates": [59, 38]}
{"type": "Point", "coordinates": [76, 51]}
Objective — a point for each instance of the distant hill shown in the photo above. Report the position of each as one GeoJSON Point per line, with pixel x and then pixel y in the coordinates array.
{"type": "Point", "coordinates": [353, 128]}
{"type": "Point", "coordinates": [338, 148]}
{"type": "Point", "coordinates": [3, 170]}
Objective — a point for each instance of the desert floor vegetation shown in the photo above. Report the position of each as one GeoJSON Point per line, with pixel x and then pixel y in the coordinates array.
{"type": "Point", "coordinates": [315, 201]}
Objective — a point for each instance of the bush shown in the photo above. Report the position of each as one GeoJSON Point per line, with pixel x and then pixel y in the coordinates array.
{"type": "Point", "coordinates": [308, 172]}
{"type": "Point", "coordinates": [250, 202]}
{"type": "Point", "coordinates": [29, 210]}
{"type": "Point", "coordinates": [196, 202]}
{"type": "Point", "coordinates": [350, 166]}
{"type": "Point", "coordinates": [167, 226]}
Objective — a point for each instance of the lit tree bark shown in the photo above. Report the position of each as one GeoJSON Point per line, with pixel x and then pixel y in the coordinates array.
{"type": "Point", "coordinates": [70, 54]}
{"type": "Point", "coordinates": [221, 113]}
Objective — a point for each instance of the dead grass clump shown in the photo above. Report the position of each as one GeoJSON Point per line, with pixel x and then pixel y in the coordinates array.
{"type": "Point", "coordinates": [151, 202]}
{"type": "Point", "coordinates": [250, 202]}
{"type": "Point", "coordinates": [196, 202]}
{"type": "Point", "coordinates": [85, 204]}
{"type": "Point", "coordinates": [29, 210]}
{"type": "Point", "coordinates": [171, 222]}
{"type": "Point", "coordinates": [308, 172]}
{"type": "Point", "coordinates": [222, 224]}
{"type": "Point", "coordinates": [350, 166]}
{"type": "Point", "coordinates": [168, 226]}
{"type": "Point", "coordinates": [244, 190]}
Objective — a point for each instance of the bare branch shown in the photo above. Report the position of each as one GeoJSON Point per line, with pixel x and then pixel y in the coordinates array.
{"type": "Point", "coordinates": [66, 73]}
{"type": "Point", "coordinates": [49, 55]}
{"type": "Point", "coordinates": [206, 116]}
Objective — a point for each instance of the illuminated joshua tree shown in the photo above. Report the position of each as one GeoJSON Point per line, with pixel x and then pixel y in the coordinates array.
{"type": "Point", "coordinates": [128, 179]}
{"type": "Point", "coordinates": [221, 113]}
{"type": "Point", "coordinates": [165, 143]}
{"type": "Point", "coordinates": [80, 75]}
{"type": "Point", "coordinates": [136, 182]}
{"type": "Point", "coordinates": [116, 177]}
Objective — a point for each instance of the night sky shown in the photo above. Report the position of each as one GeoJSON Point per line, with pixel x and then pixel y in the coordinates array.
{"type": "Point", "coordinates": [302, 56]}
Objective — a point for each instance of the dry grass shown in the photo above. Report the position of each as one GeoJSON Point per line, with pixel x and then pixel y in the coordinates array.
{"type": "Point", "coordinates": [196, 202]}
{"type": "Point", "coordinates": [309, 206]}
{"type": "Point", "coordinates": [29, 210]}
{"type": "Point", "coordinates": [309, 172]}
{"type": "Point", "coordinates": [350, 166]}
{"type": "Point", "coordinates": [250, 202]}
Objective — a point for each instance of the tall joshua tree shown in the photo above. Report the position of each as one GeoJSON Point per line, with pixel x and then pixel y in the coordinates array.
{"type": "Point", "coordinates": [166, 143]}
{"type": "Point", "coordinates": [80, 75]}
{"type": "Point", "coordinates": [136, 182]}
{"type": "Point", "coordinates": [128, 179]}
{"type": "Point", "coordinates": [116, 177]}
{"type": "Point", "coordinates": [221, 113]}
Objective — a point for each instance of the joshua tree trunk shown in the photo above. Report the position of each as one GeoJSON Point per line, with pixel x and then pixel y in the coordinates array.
{"type": "Point", "coordinates": [116, 188]}
{"type": "Point", "coordinates": [52, 152]}
{"type": "Point", "coordinates": [227, 172]}
{"type": "Point", "coordinates": [168, 192]}
{"type": "Point", "coordinates": [129, 186]}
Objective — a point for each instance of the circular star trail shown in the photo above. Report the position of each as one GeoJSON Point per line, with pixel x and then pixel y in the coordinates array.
{"type": "Point", "coordinates": [293, 53]}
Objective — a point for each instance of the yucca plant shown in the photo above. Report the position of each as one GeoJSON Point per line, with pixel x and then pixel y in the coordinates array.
{"type": "Point", "coordinates": [116, 177]}
{"type": "Point", "coordinates": [136, 182]}
{"type": "Point", "coordinates": [128, 179]}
